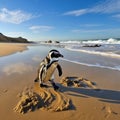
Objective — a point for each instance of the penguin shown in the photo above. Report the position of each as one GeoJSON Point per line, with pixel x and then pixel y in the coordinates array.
{"type": "Point", "coordinates": [47, 67]}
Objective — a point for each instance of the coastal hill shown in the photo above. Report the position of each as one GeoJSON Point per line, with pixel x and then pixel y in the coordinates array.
{"type": "Point", "coordinates": [4, 38]}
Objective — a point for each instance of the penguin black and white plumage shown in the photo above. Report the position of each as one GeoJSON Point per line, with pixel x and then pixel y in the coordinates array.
{"type": "Point", "coordinates": [52, 58]}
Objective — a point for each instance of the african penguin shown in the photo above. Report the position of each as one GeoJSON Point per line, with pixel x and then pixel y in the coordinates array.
{"type": "Point", "coordinates": [50, 59]}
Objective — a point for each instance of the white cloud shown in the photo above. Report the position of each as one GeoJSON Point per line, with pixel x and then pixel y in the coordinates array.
{"type": "Point", "coordinates": [41, 28]}
{"type": "Point", "coordinates": [91, 25]}
{"type": "Point", "coordinates": [116, 16]}
{"type": "Point", "coordinates": [15, 34]}
{"type": "Point", "coordinates": [107, 7]}
{"type": "Point", "coordinates": [94, 31]}
{"type": "Point", "coordinates": [15, 16]}
{"type": "Point", "coordinates": [76, 12]}
{"type": "Point", "coordinates": [76, 31]}
{"type": "Point", "coordinates": [19, 68]}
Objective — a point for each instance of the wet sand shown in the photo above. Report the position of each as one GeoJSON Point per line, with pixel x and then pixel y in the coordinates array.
{"type": "Point", "coordinates": [86, 103]}
{"type": "Point", "coordinates": [10, 48]}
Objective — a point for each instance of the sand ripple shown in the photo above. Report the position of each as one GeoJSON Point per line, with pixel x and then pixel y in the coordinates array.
{"type": "Point", "coordinates": [43, 99]}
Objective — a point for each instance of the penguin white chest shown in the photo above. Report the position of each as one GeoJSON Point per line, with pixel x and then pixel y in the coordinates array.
{"type": "Point", "coordinates": [50, 72]}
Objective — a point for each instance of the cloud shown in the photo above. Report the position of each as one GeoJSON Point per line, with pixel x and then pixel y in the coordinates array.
{"type": "Point", "coordinates": [15, 16]}
{"type": "Point", "coordinates": [76, 12]}
{"type": "Point", "coordinates": [18, 68]}
{"type": "Point", "coordinates": [116, 16]}
{"type": "Point", "coordinates": [91, 25]}
{"type": "Point", "coordinates": [94, 31]}
{"type": "Point", "coordinates": [41, 28]}
{"type": "Point", "coordinates": [107, 7]}
{"type": "Point", "coordinates": [15, 34]}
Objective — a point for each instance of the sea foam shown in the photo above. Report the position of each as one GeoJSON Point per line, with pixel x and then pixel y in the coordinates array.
{"type": "Point", "coordinates": [99, 41]}
{"type": "Point", "coordinates": [108, 54]}
{"type": "Point", "coordinates": [93, 65]}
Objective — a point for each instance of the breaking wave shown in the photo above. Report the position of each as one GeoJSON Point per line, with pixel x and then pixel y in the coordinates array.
{"type": "Point", "coordinates": [101, 41]}
{"type": "Point", "coordinates": [108, 54]}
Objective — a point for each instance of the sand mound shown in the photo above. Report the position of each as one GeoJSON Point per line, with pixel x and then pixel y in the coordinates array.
{"type": "Point", "coordinates": [43, 99]}
{"type": "Point", "coordinates": [53, 100]}
{"type": "Point", "coordinates": [29, 101]}
{"type": "Point", "coordinates": [77, 82]}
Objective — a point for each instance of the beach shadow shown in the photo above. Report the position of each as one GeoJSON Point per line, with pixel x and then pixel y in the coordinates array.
{"type": "Point", "coordinates": [104, 95]}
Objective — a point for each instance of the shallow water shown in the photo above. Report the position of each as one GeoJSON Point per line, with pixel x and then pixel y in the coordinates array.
{"type": "Point", "coordinates": [29, 60]}
{"type": "Point", "coordinates": [105, 56]}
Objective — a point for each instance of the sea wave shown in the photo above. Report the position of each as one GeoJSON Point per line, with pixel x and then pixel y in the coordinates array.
{"type": "Point", "coordinates": [93, 65]}
{"type": "Point", "coordinates": [108, 54]}
{"type": "Point", "coordinates": [99, 41]}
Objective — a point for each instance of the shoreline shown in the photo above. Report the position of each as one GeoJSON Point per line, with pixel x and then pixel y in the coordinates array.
{"type": "Point", "coordinates": [11, 48]}
{"type": "Point", "coordinates": [104, 78]}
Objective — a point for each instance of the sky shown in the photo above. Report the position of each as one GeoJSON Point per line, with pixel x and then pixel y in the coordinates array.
{"type": "Point", "coordinates": [39, 20]}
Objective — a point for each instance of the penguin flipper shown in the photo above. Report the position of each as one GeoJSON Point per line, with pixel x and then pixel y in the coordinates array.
{"type": "Point", "coordinates": [59, 70]}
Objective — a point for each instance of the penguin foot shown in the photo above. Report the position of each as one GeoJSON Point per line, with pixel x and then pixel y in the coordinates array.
{"type": "Point", "coordinates": [43, 85]}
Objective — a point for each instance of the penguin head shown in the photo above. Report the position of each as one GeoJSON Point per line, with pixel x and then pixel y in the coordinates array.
{"type": "Point", "coordinates": [54, 54]}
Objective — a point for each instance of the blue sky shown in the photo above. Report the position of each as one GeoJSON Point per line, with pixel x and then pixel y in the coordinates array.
{"type": "Point", "coordinates": [60, 19]}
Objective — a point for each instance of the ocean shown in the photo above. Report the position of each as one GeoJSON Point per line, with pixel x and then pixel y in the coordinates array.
{"type": "Point", "coordinates": [105, 56]}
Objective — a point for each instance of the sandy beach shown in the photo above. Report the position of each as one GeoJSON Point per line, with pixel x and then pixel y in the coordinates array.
{"type": "Point", "coordinates": [7, 49]}
{"type": "Point", "coordinates": [98, 101]}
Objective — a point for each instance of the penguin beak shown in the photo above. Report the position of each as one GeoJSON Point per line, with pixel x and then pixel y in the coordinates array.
{"type": "Point", "coordinates": [60, 55]}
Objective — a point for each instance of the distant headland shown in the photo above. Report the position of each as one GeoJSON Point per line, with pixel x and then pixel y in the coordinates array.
{"type": "Point", "coordinates": [7, 39]}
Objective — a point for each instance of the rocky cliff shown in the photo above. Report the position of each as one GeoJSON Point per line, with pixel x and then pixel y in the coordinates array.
{"type": "Point", "coordinates": [4, 38]}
